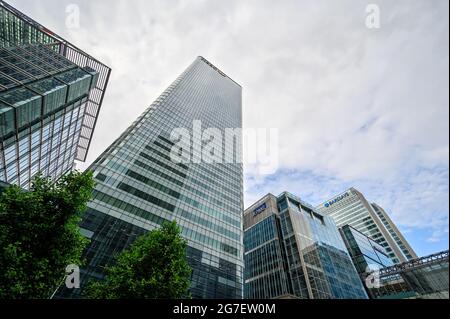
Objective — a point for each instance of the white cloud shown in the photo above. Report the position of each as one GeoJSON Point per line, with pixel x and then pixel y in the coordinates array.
{"type": "Point", "coordinates": [355, 106]}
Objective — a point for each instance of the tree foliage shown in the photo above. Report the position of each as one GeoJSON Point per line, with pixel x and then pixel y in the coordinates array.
{"type": "Point", "coordinates": [39, 234]}
{"type": "Point", "coordinates": [154, 267]}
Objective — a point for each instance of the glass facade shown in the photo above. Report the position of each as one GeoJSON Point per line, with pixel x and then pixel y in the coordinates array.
{"type": "Point", "coordinates": [50, 94]}
{"type": "Point", "coordinates": [265, 268]}
{"type": "Point", "coordinates": [291, 249]}
{"type": "Point", "coordinates": [394, 232]}
{"type": "Point", "coordinates": [351, 208]}
{"type": "Point", "coordinates": [41, 117]}
{"type": "Point", "coordinates": [139, 186]}
{"type": "Point", "coordinates": [367, 255]}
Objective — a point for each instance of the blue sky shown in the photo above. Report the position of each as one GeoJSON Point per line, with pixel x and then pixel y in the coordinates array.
{"type": "Point", "coordinates": [359, 107]}
{"type": "Point", "coordinates": [315, 189]}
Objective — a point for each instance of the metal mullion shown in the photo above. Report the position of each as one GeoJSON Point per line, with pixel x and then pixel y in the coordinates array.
{"type": "Point", "coordinates": [52, 56]}
{"type": "Point", "coordinates": [18, 71]}
{"type": "Point", "coordinates": [64, 115]}
{"type": "Point", "coordinates": [29, 62]}
{"type": "Point", "coordinates": [58, 156]}
{"type": "Point", "coordinates": [41, 145]}
{"type": "Point", "coordinates": [73, 143]}
{"type": "Point", "coordinates": [50, 141]}
{"type": "Point", "coordinates": [98, 112]}
{"type": "Point", "coordinates": [56, 65]}
{"type": "Point", "coordinates": [76, 124]}
{"type": "Point", "coordinates": [37, 57]}
{"type": "Point", "coordinates": [72, 136]}
{"type": "Point", "coordinates": [58, 142]}
{"type": "Point", "coordinates": [29, 153]}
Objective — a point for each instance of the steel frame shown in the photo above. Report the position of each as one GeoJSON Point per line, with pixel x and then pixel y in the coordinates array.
{"type": "Point", "coordinates": [414, 264]}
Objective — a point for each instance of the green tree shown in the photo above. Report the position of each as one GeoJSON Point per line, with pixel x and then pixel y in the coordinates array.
{"type": "Point", "coordinates": [154, 267]}
{"type": "Point", "coordinates": [39, 234]}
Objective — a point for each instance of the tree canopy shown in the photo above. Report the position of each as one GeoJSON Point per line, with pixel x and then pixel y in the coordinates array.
{"type": "Point", "coordinates": [154, 267]}
{"type": "Point", "coordinates": [39, 234]}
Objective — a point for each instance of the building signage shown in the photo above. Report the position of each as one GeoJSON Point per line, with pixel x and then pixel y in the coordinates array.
{"type": "Point", "coordinates": [335, 200]}
{"type": "Point", "coordinates": [259, 209]}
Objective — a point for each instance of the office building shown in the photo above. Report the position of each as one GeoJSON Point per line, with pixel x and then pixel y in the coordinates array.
{"type": "Point", "coordinates": [421, 278]}
{"type": "Point", "coordinates": [50, 96]}
{"type": "Point", "coordinates": [139, 186]}
{"type": "Point", "coordinates": [352, 208]}
{"type": "Point", "coordinates": [395, 233]}
{"type": "Point", "coordinates": [366, 253]}
{"type": "Point", "coordinates": [293, 250]}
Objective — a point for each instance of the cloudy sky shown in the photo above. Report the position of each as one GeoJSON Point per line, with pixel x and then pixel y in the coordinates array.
{"type": "Point", "coordinates": [354, 106]}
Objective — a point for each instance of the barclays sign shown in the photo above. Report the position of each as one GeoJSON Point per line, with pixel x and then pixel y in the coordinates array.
{"type": "Point", "coordinates": [259, 209]}
{"type": "Point", "coordinates": [335, 200]}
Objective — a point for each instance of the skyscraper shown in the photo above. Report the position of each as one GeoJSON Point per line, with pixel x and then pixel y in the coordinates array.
{"type": "Point", "coordinates": [395, 232]}
{"type": "Point", "coordinates": [291, 250]}
{"type": "Point", "coordinates": [50, 96]}
{"type": "Point", "coordinates": [139, 186]}
{"type": "Point", "coordinates": [366, 253]}
{"type": "Point", "coordinates": [352, 208]}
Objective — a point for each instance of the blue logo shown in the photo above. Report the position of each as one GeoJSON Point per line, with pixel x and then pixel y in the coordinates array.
{"type": "Point", "coordinates": [335, 200]}
{"type": "Point", "coordinates": [259, 209]}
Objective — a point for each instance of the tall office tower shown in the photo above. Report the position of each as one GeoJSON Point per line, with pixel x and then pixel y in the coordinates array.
{"type": "Point", "coordinates": [139, 186]}
{"type": "Point", "coordinates": [395, 232]}
{"type": "Point", "coordinates": [50, 96]}
{"type": "Point", "coordinates": [352, 208]}
{"type": "Point", "coordinates": [292, 251]}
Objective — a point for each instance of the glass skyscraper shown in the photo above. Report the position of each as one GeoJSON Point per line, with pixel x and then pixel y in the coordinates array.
{"type": "Point", "coordinates": [352, 208]}
{"type": "Point", "coordinates": [291, 250]}
{"type": "Point", "coordinates": [365, 252]}
{"type": "Point", "coordinates": [394, 232]}
{"type": "Point", "coordinates": [50, 96]}
{"type": "Point", "coordinates": [139, 186]}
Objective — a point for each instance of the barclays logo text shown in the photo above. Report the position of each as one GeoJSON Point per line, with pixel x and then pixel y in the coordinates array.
{"type": "Point", "coordinates": [335, 200]}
